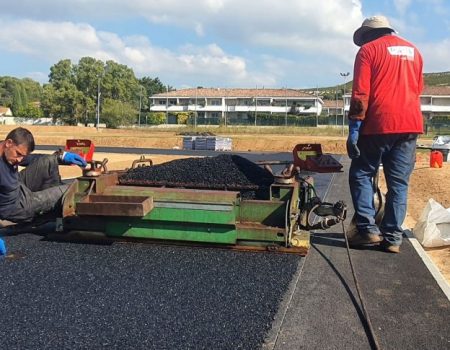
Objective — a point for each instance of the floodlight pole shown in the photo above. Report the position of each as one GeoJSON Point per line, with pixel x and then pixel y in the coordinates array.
{"type": "Point", "coordinates": [344, 75]}
{"type": "Point", "coordinates": [98, 102]}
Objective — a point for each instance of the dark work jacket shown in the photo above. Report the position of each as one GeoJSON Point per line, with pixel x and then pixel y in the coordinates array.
{"type": "Point", "coordinates": [9, 187]}
{"type": "Point", "coordinates": [9, 184]}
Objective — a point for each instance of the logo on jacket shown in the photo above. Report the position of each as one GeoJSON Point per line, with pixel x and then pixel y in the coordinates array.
{"type": "Point", "coordinates": [406, 52]}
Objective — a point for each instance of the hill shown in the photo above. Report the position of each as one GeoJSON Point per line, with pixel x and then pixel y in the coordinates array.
{"type": "Point", "coordinates": [437, 79]}
{"type": "Point", "coordinates": [329, 92]}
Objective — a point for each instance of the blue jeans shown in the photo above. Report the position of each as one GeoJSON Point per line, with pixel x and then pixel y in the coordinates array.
{"type": "Point", "coordinates": [397, 154]}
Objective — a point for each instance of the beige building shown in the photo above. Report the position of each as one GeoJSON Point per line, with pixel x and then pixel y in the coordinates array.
{"type": "Point", "coordinates": [6, 116]}
{"type": "Point", "coordinates": [434, 100]}
{"type": "Point", "coordinates": [236, 104]}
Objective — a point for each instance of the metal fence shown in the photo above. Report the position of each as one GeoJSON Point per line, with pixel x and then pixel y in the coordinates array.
{"type": "Point", "coordinates": [432, 129]}
{"type": "Point", "coordinates": [270, 120]}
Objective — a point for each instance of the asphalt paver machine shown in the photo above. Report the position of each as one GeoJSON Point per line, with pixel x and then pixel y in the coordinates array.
{"type": "Point", "coordinates": [265, 211]}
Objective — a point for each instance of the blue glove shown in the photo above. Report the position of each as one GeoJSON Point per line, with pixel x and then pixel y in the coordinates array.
{"type": "Point", "coordinates": [2, 247]}
{"type": "Point", "coordinates": [352, 140]}
{"type": "Point", "coordinates": [69, 158]}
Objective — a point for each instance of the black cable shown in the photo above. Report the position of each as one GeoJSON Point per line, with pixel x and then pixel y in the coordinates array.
{"type": "Point", "coordinates": [373, 341]}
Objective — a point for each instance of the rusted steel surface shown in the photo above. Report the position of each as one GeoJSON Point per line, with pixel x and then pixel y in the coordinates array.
{"type": "Point", "coordinates": [69, 199]}
{"type": "Point", "coordinates": [96, 237]}
{"type": "Point", "coordinates": [191, 185]}
{"type": "Point", "coordinates": [135, 206]}
{"type": "Point", "coordinates": [176, 194]}
{"type": "Point", "coordinates": [95, 168]}
{"type": "Point", "coordinates": [101, 182]}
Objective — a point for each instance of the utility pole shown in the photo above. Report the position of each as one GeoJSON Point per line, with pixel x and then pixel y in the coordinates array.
{"type": "Point", "coordinates": [167, 105]}
{"type": "Point", "coordinates": [344, 75]}
{"type": "Point", "coordinates": [149, 105]}
{"type": "Point", "coordinates": [140, 107]}
{"type": "Point", "coordinates": [98, 102]}
{"type": "Point", "coordinates": [286, 107]}
{"type": "Point", "coordinates": [195, 113]}
{"type": "Point", "coordinates": [336, 109]}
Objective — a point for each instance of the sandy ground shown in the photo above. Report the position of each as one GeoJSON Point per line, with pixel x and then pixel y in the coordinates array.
{"type": "Point", "coordinates": [425, 182]}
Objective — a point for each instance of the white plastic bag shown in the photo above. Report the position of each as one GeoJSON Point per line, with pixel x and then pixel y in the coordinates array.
{"type": "Point", "coordinates": [433, 227]}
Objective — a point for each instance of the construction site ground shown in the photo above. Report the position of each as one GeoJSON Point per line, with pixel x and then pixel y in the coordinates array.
{"type": "Point", "coordinates": [58, 295]}
{"type": "Point", "coordinates": [425, 182]}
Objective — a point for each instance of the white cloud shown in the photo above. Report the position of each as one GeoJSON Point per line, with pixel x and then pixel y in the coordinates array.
{"type": "Point", "coordinates": [244, 43]}
{"type": "Point", "coordinates": [436, 56]}
{"type": "Point", "coordinates": [284, 28]}
{"type": "Point", "coordinates": [402, 5]}
{"type": "Point", "coordinates": [52, 42]}
{"type": "Point", "coordinates": [230, 18]}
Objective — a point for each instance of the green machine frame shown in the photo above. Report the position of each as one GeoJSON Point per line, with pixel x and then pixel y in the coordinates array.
{"type": "Point", "coordinates": [98, 207]}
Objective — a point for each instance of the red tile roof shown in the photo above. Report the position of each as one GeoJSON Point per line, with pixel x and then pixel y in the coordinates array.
{"type": "Point", "coordinates": [332, 103]}
{"type": "Point", "coordinates": [4, 110]}
{"type": "Point", "coordinates": [436, 91]}
{"type": "Point", "coordinates": [225, 92]}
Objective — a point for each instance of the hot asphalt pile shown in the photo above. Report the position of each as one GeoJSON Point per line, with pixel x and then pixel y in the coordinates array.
{"type": "Point", "coordinates": [223, 172]}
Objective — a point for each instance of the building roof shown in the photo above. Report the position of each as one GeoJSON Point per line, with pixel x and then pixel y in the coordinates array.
{"type": "Point", "coordinates": [225, 92]}
{"type": "Point", "coordinates": [436, 91]}
{"type": "Point", "coordinates": [333, 103]}
{"type": "Point", "coordinates": [4, 110]}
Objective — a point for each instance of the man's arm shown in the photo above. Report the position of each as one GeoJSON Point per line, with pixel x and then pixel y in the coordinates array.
{"type": "Point", "coordinates": [31, 158]}
{"type": "Point", "coordinates": [361, 87]}
{"type": "Point", "coordinates": [358, 103]}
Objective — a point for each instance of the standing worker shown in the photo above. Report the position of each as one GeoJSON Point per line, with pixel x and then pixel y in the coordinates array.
{"type": "Point", "coordinates": [37, 189]}
{"type": "Point", "coordinates": [384, 122]}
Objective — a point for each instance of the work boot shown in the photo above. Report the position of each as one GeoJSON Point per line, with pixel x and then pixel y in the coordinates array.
{"type": "Point", "coordinates": [364, 239]}
{"type": "Point", "coordinates": [389, 248]}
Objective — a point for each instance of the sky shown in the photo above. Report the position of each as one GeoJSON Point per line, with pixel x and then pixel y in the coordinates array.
{"type": "Point", "coordinates": [214, 43]}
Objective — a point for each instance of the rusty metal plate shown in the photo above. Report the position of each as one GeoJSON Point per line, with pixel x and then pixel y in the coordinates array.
{"type": "Point", "coordinates": [104, 205]}
{"type": "Point", "coordinates": [226, 187]}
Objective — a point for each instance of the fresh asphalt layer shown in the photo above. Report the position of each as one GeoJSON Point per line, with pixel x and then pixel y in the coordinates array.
{"type": "Point", "coordinates": [407, 308]}
{"type": "Point", "coordinates": [56, 295]}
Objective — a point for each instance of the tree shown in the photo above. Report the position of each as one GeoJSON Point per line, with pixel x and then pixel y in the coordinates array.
{"type": "Point", "coordinates": [15, 93]}
{"type": "Point", "coordinates": [120, 83]}
{"type": "Point", "coordinates": [61, 73]}
{"type": "Point", "coordinates": [20, 99]}
{"type": "Point", "coordinates": [73, 92]}
{"type": "Point", "coordinates": [116, 113]}
{"type": "Point", "coordinates": [88, 74]}
{"type": "Point", "coordinates": [156, 118]}
{"type": "Point", "coordinates": [152, 87]}
{"type": "Point", "coordinates": [32, 88]}
{"type": "Point", "coordinates": [30, 111]}
{"type": "Point", "coordinates": [64, 104]}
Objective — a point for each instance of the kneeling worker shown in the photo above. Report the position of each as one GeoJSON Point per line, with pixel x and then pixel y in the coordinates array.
{"type": "Point", "coordinates": [37, 189]}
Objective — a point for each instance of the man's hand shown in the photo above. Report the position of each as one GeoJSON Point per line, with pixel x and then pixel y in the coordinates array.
{"type": "Point", "coordinates": [69, 158]}
{"type": "Point", "coordinates": [352, 140]}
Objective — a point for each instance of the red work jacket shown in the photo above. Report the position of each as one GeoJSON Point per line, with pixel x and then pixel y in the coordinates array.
{"type": "Point", "coordinates": [387, 86]}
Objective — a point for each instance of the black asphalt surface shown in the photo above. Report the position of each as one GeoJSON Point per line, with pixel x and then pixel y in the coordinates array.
{"type": "Point", "coordinates": [143, 296]}
{"type": "Point", "coordinates": [407, 308]}
{"type": "Point", "coordinates": [137, 296]}
{"type": "Point", "coordinates": [153, 151]}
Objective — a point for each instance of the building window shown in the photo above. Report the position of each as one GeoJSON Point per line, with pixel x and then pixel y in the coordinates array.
{"type": "Point", "coordinates": [263, 102]}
